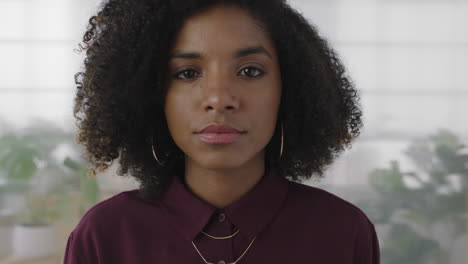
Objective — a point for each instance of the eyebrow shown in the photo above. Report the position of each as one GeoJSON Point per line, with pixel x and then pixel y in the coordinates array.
{"type": "Point", "coordinates": [239, 53]}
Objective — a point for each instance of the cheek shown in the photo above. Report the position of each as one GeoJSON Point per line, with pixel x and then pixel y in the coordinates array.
{"type": "Point", "coordinates": [266, 112]}
{"type": "Point", "coordinates": [273, 99]}
{"type": "Point", "coordinates": [176, 115]}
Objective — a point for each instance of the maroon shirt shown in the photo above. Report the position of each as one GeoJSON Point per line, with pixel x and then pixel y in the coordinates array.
{"type": "Point", "coordinates": [292, 223]}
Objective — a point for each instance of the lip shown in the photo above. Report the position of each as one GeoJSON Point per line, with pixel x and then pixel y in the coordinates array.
{"type": "Point", "coordinates": [219, 128]}
{"type": "Point", "coordinates": [219, 138]}
{"type": "Point", "coordinates": [219, 134]}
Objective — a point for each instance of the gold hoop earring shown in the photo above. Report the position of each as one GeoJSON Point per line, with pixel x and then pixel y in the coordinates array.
{"type": "Point", "coordinates": [154, 153]}
{"type": "Point", "coordinates": [282, 139]}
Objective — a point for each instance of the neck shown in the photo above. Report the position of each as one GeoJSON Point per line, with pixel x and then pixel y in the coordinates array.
{"type": "Point", "coordinates": [221, 187]}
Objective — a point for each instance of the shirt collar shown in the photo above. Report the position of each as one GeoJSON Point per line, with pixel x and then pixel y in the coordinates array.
{"type": "Point", "coordinates": [251, 213]}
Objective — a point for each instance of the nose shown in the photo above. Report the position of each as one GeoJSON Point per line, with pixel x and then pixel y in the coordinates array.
{"type": "Point", "coordinates": [219, 94]}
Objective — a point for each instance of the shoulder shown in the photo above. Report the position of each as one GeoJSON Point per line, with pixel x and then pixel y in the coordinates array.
{"type": "Point", "coordinates": [318, 203]}
{"type": "Point", "coordinates": [121, 209]}
{"type": "Point", "coordinates": [105, 208]}
{"type": "Point", "coordinates": [334, 219]}
{"type": "Point", "coordinates": [85, 239]}
{"type": "Point", "coordinates": [338, 218]}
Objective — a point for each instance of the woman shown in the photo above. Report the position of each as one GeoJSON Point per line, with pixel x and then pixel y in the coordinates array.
{"type": "Point", "coordinates": [219, 109]}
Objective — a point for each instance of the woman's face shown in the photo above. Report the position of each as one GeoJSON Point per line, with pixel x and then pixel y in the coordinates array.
{"type": "Point", "coordinates": [223, 70]}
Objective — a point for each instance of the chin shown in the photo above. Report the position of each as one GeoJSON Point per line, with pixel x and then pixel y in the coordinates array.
{"type": "Point", "coordinates": [219, 162]}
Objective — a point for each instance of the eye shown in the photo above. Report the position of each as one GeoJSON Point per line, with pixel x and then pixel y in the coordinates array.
{"type": "Point", "coordinates": [185, 74]}
{"type": "Point", "coordinates": [252, 72]}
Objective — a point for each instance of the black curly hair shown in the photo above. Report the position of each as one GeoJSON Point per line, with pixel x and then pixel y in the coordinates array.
{"type": "Point", "coordinates": [120, 94]}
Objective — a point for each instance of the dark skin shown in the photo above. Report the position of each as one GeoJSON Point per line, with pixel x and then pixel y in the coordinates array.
{"type": "Point", "coordinates": [219, 84]}
{"type": "Point", "coordinates": [120, 96]}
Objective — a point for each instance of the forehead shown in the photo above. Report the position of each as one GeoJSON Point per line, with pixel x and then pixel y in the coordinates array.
{"type": "Point", "coordinates": [221, 29]}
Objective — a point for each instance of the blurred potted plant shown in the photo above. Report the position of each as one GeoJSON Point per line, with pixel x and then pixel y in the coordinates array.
{"type": "Point", "coordinates": [40, 180]}
{"type": "Point", "coordinates": [437, 197]}
{"type": "Point", "coordinates": [6, 223]}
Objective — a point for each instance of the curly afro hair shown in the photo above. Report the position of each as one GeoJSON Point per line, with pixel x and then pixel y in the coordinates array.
{"type": "Point", "coordinates": [120, 94]}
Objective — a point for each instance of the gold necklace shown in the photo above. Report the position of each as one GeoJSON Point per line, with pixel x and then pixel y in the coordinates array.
{"type": "Point", "coordinates": [229, 262]}
{"type": "Point", "coordinates": [226, 237]}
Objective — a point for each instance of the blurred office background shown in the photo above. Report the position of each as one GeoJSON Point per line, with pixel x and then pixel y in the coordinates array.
{"type": "Point", "coordinates": [408, 170]}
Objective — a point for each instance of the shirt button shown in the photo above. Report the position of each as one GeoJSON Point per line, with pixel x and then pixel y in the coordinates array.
{"type": "Point", "coordinates": [221, 218]}
{"type": "Point", "coordinates": [221, 262]}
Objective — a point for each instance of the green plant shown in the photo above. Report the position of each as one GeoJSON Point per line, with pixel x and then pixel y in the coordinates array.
{"type": "Point", "coordinates": [437, 197]}
{"type": "Point", "coordinates": [88, 184]}
{"type": "Point", "coordinates": [44, 180]}
{"type": "Point", "coordinates": [41, 209]}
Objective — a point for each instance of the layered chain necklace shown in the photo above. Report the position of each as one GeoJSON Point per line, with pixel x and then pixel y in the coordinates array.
{"type": "Point", "coordinates": [225, 237]}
